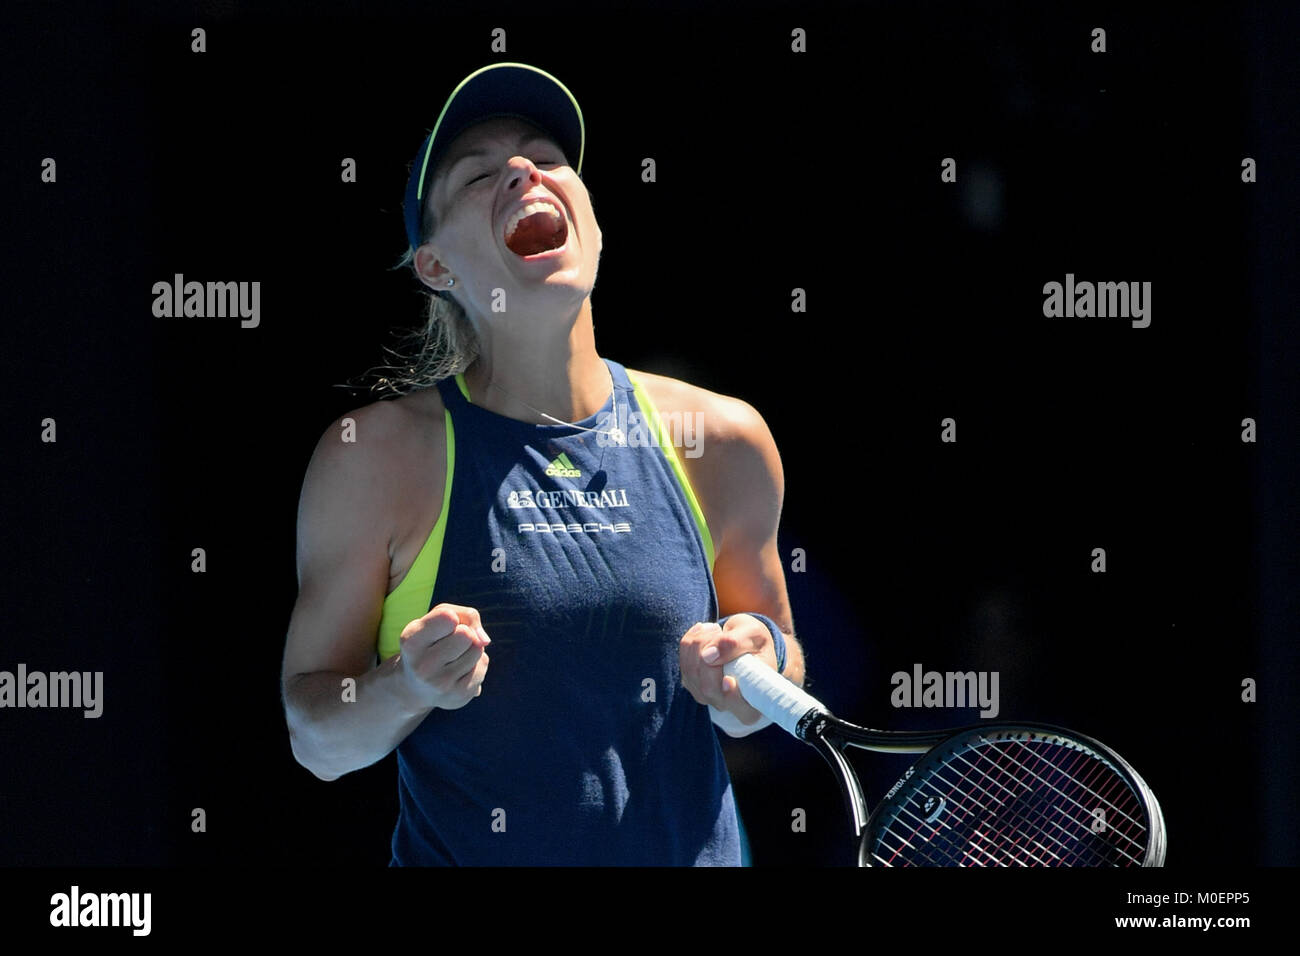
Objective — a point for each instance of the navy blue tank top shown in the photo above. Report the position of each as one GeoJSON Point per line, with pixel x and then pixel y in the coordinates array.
{"type": "Point", "coordinates": [580, 550]}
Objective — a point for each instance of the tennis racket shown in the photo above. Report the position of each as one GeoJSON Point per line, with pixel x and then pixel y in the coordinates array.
{"type": "Point", "coordinates": [997, 794]}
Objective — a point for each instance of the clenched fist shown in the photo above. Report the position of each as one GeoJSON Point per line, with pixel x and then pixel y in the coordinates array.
{"type": "Point", "coordinates": [442, 657]}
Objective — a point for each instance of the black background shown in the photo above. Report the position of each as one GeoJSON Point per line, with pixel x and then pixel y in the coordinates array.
{"type": "Point", "coordinates": [775, 171]}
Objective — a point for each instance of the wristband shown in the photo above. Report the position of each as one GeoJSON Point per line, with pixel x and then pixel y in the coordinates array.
{"type": "Point", "coordinates": [778, 639]}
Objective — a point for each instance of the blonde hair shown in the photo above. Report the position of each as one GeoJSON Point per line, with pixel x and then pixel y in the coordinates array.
{"type": "Point", "coordinates": [444, 346]}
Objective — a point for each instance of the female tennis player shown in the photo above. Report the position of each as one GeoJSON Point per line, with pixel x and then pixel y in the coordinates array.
{"type": "Point", "coordinates": [523, 497]}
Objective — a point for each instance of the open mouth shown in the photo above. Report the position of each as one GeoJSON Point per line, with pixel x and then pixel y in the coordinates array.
{"type": "Point", "coordinates": [538, 227]}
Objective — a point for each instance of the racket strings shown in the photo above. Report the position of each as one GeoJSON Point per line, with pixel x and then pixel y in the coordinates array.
{"type": "Point", "coordinates": [1008, 831]}
{"type": "Point", "coordinates": [1115, 798]}
{"type": "Point", "coordinates": [1038, 811]}
{"type": "Point", "coordinates": [965, 845]}
{"type": "Point", "coordinates": [962, 793]}
{"type": "Point", "coordinates": [1067, 775]}
{"type": "Point", "coordinates": [961, 799]}
{"type": "Point", "coordinates": [1021, 818]}
{"type": "Point", "coordinates": [1031, 806]}
{"type": "Point", "coordinates": [1070, 775]}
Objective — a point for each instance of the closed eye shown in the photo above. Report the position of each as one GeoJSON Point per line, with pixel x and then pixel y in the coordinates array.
{"type": "Point", "coordinates": [540, 162]}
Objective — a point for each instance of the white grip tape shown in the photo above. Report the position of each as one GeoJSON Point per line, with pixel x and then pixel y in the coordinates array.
{"type": "Point", "coordinates": [776, 698]}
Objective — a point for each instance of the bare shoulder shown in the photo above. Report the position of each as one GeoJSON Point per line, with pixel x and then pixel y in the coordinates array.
{"type": "Point", "coordinates": [723, 420]}
{"type": "Point", "coordinates": [363, 442]}
{"type": "Point", "coordinates": [366, 463]}
{"type": "Point", "coordinates": [733, 465]}
{"type": "Point", "coordinates": [721, 417]}
{"type": "Point", "coordinates": [397, 418]}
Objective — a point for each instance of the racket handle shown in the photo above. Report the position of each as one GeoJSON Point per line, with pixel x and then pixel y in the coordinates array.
{"type": "Point", "coordinates": [776, 698]}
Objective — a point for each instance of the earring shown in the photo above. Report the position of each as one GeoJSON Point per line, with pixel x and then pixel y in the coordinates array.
{"type": "Point", "coordinates": [450, 283]}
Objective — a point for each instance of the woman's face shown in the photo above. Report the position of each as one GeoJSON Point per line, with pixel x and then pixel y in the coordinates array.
{"type": "Point", "coordinates": [509, 214]}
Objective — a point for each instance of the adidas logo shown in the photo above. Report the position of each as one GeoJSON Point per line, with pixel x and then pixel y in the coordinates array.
{"type": "Point", "coordinates": [561, 467]}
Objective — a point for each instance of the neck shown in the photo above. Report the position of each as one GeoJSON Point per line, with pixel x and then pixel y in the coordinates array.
{"type": "Point", "coordinates": [519, 366]}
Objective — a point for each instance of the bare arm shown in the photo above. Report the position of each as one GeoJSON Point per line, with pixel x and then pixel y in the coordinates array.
{"type": "Point", "coordinates": [748, 572]}
{"type": "Point", "coordinates": [740, 475]}
{"type": "Point", "coordinates": [345, 528]}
